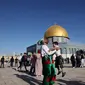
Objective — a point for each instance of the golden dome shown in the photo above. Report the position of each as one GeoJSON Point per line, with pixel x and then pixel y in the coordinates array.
{"type": "Point", "coordinates": [56, 30]}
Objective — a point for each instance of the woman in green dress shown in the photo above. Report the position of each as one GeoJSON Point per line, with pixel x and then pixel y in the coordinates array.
{"type": "Point", "coordinates": [48, 64]}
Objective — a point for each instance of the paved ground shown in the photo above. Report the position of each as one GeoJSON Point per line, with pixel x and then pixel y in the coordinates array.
{"type": "Point", "coordinates": [9, 76]}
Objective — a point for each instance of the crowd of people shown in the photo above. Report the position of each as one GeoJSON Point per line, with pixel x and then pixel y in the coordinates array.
{"type": "Point", "coordinates": [12, 61]}
{"type": "Point", "coordinates": [43, 62]}
{"type": "Point", "coordinates": [34, 61]}
{"type": "Point", "coordinates": [78, 60]}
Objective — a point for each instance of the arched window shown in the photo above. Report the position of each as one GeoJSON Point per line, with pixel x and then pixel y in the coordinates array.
{"type": "Point", "coordinates": [64, 51]}
{"type": "Point", "coordinates": [74, 50]}
{"type": "Point", "coordinates": [61, 50]}
{"type": "Point", "coordinates": [62, 39]}
{"type": "Point", "coordinates": [70, 51]}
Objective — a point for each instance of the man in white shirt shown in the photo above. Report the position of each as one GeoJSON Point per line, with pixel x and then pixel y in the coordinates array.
{"type": "Point", "coordinates": [19, 58]}
{"type": "Point", "coordinates": [45, 50]}
{"type": "Point", "coordinates": [58, 60]}
{"type": "Point", "coordinates": [20, 63]}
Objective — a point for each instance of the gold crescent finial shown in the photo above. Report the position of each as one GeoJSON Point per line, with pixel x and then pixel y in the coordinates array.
{"type": "Point", "coordinates": [55, 23]}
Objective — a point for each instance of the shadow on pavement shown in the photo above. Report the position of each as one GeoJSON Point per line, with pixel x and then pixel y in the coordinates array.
{"type": "Point", "coordinates": [29, 80]}
{"type": "Point", "coordinates": [22, 71]}
{"type": "Point", "coordinates": [14, 69]}
{"type": "Point", "coordinates": [71, 82]}
{"type": "Point", "coordinates": [26, 72]}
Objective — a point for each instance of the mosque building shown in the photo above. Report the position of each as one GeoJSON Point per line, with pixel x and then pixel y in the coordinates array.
{"type": "Point", "coordinates": [59, 34]}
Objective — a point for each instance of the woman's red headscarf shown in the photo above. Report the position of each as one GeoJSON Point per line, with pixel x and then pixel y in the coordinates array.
{"type": "Point", "coordinates": [39, 51]}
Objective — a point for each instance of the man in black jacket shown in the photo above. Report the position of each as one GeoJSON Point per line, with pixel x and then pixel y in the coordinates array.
{"type": "Point", "coordinates": [12, 61]}
{"type": "Point", "coordinates": [24, 61]}
{"type": "Point", "coordinates": [73, 60]}
{"type": "Point", "coordinates": [2, 61]}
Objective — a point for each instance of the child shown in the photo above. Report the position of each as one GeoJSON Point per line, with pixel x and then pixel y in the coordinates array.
{"type": "Point", "coordinates": [59, 60]}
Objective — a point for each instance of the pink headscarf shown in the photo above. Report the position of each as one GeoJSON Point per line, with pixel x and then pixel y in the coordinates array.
{"type": "Point", "coordinates": [39, 51]}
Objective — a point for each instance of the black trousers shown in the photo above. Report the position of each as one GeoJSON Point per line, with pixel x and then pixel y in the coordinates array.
{"type": "Point", "coordinates": [58, 62]}
{"type": "Point", "coordinates": [78, 63]}
{"type": "Point", "coordinates": [73, 63]}
{"type": "Point", "coordinates": [2, 64]}
{"type": "Point", "coordinates": [20, 65]}
{"type": "Point", "coordinates": [32, 70]}
{"type": "Point", "coordinates": [11, 64]}
{"type": "Point", "coordinates": [23, 64]}
{"type": "Point", "coordinates": [16, 64]}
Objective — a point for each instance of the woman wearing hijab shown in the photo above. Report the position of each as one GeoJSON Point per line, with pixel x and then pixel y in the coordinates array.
{"type": "Point", "coordinates": [38, 64]}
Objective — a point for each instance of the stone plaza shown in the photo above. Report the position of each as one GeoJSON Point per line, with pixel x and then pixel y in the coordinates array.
{"type": "Point", "coordinates": [10, 76]}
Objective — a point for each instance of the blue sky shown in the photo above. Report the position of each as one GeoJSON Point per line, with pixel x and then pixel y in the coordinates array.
{"type": "Point", "coordinates": [23, 22]}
